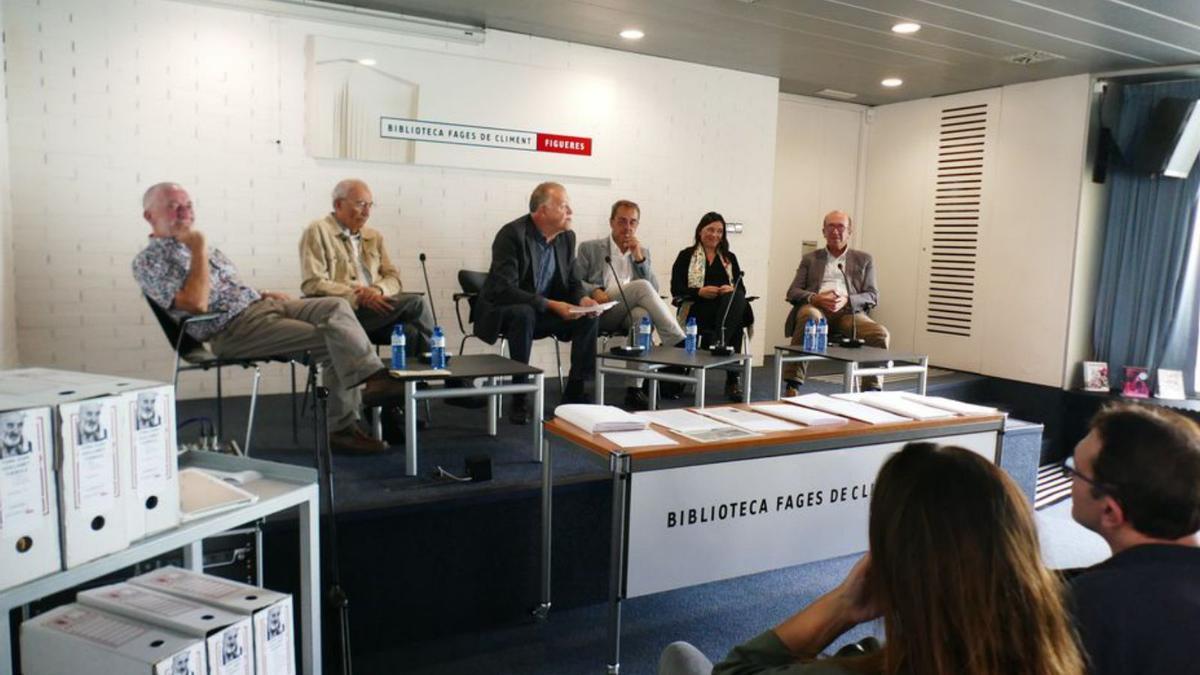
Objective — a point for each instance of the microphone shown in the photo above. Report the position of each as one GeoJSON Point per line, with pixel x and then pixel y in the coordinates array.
{"type": "Point", "coordinates": [852, 342]}
{"type": "Point", "coordinates": [722, 349]}
{"type": "Point", "coordinates": [633, 348]}
{"type": "Point", "coordinates": [428, 357]}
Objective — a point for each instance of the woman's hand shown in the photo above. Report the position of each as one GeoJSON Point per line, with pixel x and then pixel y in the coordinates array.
{"type": "Point", "coordinates": [709, 292]}
{"type": "Point", "coordinates": [853, 594]}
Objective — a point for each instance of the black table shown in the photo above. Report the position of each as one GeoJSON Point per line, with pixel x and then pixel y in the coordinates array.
{"type": "Point", "coordinates": [467, 368]}
{"type": "Point", "coordinates": [918, 363]}
{"type": "Point", "coordinates": [657, 358]}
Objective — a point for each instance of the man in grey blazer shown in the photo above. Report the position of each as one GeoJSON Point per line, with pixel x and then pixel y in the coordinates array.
{"type": "Point", "coordinates": [819, 290]}
{"type": "Point", "coordinates": [631, 261]}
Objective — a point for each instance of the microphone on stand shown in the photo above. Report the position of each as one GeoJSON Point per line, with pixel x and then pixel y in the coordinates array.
{"type": "Point", "coordinates": [720, 348]}
{"type": "Point", "coordinates": [633, 348]}
{"type": "Point", "coordinates": [428, 357]}
{"type": "Point", "coordinates": [852, 342]}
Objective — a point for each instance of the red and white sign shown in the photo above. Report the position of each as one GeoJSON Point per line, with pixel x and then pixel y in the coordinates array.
{"type": "Point", "coordinates": [399, 128]}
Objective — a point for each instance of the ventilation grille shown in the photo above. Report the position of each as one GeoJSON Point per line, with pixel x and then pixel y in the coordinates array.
{"type": "Point", "coordinates": [954, 240]}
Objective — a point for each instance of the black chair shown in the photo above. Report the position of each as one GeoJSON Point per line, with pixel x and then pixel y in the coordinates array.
{"type": "Point", "coordinates": [471, 283]}
{"type": "Point", "coordinates": [191, 354]}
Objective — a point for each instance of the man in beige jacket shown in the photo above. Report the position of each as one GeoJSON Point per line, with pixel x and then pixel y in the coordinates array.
{"type": "Point", "coordinates": [341, 257]}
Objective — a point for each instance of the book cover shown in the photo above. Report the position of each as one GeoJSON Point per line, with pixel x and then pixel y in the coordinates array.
{"type": "Point", "coordinates": [1170, 384]}
{"type": "Point", "coordinates": [1095, 376]}
{"type": "Point", "coordinates": [1137, 383]}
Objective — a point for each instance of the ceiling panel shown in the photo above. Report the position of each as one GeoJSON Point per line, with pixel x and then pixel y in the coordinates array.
{"type": "Point", "coordinates": [848, 44]}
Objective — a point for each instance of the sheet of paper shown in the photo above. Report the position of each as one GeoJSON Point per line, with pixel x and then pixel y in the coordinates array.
{"type": "Point", "coordinates": [680, 420]}
{"type": "Point", "coordinates": [638, 439]}
{"type": "Point", "coordinates": [412, 372]}
{"type": "Point", "coordinates": [749, 420]}
{"type": "Point", "coordinates": [951, 405]}
{"type": "Point", "coordinates": [725, 433]}
{"type": "Point", "coordinates": [795, 413]}
{"type": "Point", "coordinates": [855, 411]}
{"type": "Point", "coordinates": [894, 402]}
{"type": "Point", "coordinates": [593, 309]}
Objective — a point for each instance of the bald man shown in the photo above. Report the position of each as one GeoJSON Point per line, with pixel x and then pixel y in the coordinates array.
{"type": "Point", "coordinates": [341, 257]}
{"type": "Point", "coordinates": [819, 291]}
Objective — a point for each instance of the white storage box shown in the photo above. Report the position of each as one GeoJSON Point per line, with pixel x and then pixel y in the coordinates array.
{"type": "Point", "coordinates": [78, 639]}
{"type": "Point", "coordinates": [271, 612]}
{"type": "Point", "coordinates": [226, 635]}
{"type": "Point", "coordinates": [29, 537]}
{"type": "Point", "coordinates": [92, 482]}
{"type": "Point", "coordinates": [149, 451]}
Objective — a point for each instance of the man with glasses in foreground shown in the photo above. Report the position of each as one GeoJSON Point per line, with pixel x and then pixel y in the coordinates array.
{"type": "Point", "coordinates": [1136, 483]}
{"type": "Point", "coordinates": [341, 257]}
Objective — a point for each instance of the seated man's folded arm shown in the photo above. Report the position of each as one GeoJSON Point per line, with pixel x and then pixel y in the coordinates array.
{"type": "Point", "coordinates": [797, 294]}
{"type": "Point", "coordinates": [389, 276]}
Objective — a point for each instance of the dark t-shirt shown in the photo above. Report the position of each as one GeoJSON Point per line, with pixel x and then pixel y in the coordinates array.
{"type": "Point", "coordinates": [1139, 611]}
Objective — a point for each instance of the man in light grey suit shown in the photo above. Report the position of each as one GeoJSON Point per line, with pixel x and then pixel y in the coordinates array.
{"type": "Point", "coordinates": [819, 291]}
{"type": "Point", "coordinates": [631, 260]}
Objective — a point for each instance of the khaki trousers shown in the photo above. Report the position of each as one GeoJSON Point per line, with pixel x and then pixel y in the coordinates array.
{"type": "Point", "coordinates": [325, 327]}
{"type": "Point", "coordinates": [873, 333]}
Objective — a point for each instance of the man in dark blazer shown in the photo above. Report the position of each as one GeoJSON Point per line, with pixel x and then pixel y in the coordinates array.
{"type": "Point", "coordinates": [532, 288]}
{"type": "Point", "coordinates": [820, 291]}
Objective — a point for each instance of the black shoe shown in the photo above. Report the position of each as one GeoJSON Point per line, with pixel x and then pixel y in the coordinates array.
{"type": "Point", "coordinates": [636, 399]}
{"type": "Point", "coordinates": [393, 424]}
{"type": "Point", "coordinates": [575, 393]}
{"type": "Point", "coordinates": [353, 441]}
{"type": "Point", "coordinates": [733, 389]}
{"type": "Point", "coordinates": [671, 390]}
{"type": "Point", "coordinates": [518, 411]}
{"type": "Point", "coordinates": [792, 388]}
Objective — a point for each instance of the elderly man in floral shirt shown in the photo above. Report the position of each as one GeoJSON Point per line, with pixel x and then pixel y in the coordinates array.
{"type": "Point", "coordinates": [179, 273]}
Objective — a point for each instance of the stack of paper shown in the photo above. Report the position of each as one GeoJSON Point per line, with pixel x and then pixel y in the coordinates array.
{"type": "Point", "coordinates": [951, 405]}
{"type": "Point", "coordinates": [748, 420]}
{"type": "Point", "coordinates": [599, 418]}
{"type": "Point", "coordinates": [681, 421]}
{"type": "Point", "coordinates": [795, 413]}
{"type": "Point", "coordinates": [202, 494]}
{"type": "Point", "coordinates": [856, 411]}
{"type": "Point", "coordinates": [894, 402]}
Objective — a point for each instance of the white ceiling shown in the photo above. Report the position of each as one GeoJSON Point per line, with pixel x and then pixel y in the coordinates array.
{"type": "Point", "coordinates": [848, 44]}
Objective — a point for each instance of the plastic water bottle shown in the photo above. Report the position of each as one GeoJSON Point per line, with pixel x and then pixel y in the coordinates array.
{"type": "Point", "coordinates": [822, 335]}
{"type": "Point", "coordinates": [437, 348]}
{"type": "Point", "coordinates": [810, 335]}
{"type": "Point", "coordinates": [399, 344]}
{"type": "Point", "coordinates": [690, 334]}
{"type": "Point", "coordinates": [644, 333]}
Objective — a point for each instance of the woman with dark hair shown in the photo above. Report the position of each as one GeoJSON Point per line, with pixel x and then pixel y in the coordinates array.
{"type": "Point", "coordinates": [954, 569]}
{"type": "Point", "coordinates": [702, 279]}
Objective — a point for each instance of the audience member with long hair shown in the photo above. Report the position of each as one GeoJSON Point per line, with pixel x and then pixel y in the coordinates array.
{"type": "Point", "coordinates": [954, 571]}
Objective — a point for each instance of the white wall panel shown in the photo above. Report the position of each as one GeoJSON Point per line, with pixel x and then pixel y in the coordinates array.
{"type": "Point", "coordinates": [816, 171]}
{"type": "Point", "coordinates": [108, 98]}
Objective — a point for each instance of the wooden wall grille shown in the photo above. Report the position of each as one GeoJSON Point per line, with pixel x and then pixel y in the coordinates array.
{"type": "Point", "coordinates": [953, 253]}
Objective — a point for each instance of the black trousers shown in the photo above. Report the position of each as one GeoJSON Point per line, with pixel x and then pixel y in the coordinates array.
{"type": "Point", "coordinates": [522, 324]}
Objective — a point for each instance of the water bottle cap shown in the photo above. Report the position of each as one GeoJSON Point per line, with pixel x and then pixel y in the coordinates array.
{"type": "Point", "coordinates": [398, 328]}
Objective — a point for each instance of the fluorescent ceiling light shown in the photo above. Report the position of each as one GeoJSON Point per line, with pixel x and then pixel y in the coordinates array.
{"type": "Point", "coordinates": [892, 82]}
{"type": "Point", "coordinates": [359, 17]}
{"type": "Point", "coordinates": [906, 27]}
{"type": "Point", "coordinates": [632, 34]}
{"type": "Point", "coordinates": [367, 62]}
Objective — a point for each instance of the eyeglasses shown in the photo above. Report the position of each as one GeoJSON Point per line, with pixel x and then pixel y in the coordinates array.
{"type": "Point", "coordinates": [360, 205]}
{"type": "Point", "coordinates": [1069, 470]}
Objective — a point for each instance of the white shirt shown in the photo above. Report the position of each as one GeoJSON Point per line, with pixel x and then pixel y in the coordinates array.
{"type": "Point", "coordinates": [833, 277]}
{"type": "Point", "coordinates": [356, 246]}
{"type": "Point", "coordinates": [622, 263]}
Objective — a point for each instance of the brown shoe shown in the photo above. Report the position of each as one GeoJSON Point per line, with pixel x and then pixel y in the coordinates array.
{"type": "Point", "coordinates": [354, 441]}
{"type": "Point", "coordinates": [380, 389]}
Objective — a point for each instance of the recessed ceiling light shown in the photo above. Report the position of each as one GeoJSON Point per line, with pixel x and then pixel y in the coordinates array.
{"type": "Point", "coordinates": [906, 27]}
{"type": "Point", "coordinates": [892, 82]}
{"type": "Point", "coordinates": [632, 34]}
{"type": "Point", "coordinates": [367, 62]}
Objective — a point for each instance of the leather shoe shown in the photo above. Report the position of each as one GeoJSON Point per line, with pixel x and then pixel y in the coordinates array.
{"type": "Point", "coordinates": [518, 411]}
{"type": "Point", "coordinates": [792, 388]}
{"type": "Point", "coordinates": [380, 389]}
{"type": "Point", "coordinates": [636, 399]}
{"type": "Point", "coordinates": [354, 441]}
{"type": "Point", "coordinates": [733, 390]}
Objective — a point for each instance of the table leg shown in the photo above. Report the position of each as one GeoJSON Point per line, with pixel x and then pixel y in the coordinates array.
{"type": "Point", "coordinates": [850, 383]}
{"type": "Point", "coordinates": [193, 556]}
{"type": "Point", "coordinates": [6, 654]}
{"type": "Point", "coordinates": [491, 408]}
{"type": "Point", "coordinates": [410, 427]}
{"type": "Point", "coordinates": [699, 375]}
{"type": "Point", "coordinates": [620, 478]}
{"type": "Point", "coordinates": [542, 611]}
{"type": "Point", "coordinates": [310, 584]}
{"type": "Point", "coordinates": [778, 374]}
{"type": "Point", "coordinates": [599, 381]}
{"type": "Point", "coordinates": [923, 376]}
{"type": "Point", "coordinates": [653, 393]}
{"type": "Point", "coordinates": [746, 369]}
{"type": "Point", "coordinates": [539, 414]}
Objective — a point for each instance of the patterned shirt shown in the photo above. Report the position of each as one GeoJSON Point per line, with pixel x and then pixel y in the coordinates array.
{"type": "Point", "coordinates": [162, 268]}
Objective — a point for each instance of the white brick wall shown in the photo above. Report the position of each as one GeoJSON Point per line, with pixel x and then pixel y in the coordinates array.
{"type": "Point", "coordinates": [8, 324]}
{"type": "Point", "coordinates": [106, 98]}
